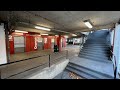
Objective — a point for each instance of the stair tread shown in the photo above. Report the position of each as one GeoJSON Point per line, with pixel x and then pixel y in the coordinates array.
{"type": "Point", "coordinates": [94, 53]}
{"type": "Point", "coordinates": [98, 56]}
{"type": "Point", "coordinates": [90, 71]}
{"type": "Point", "coordinates": [80, 73]}
{"type": "Point", "coordinates": [95, 59]}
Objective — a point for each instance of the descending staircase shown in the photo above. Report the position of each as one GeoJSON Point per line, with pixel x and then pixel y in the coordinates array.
{"type": "Point", "coordinates": [86, 73]}
{"type": "Point", "coordinates": [96, 48]}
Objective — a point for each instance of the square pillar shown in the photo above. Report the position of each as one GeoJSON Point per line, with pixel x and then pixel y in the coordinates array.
{"type": "Point", "coordinates": [59, 43]}
{"type": "Point", "coordinates": [3, 53]}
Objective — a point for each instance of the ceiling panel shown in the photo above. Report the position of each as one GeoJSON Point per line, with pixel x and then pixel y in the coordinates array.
{"type": "Point", "coordinates": [65, 20]}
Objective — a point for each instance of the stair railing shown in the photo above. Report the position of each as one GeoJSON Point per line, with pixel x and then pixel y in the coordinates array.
{"type": "Point", "coordinates": [114, 64]}
{"type": "Point", "coordinates": [49, 62]}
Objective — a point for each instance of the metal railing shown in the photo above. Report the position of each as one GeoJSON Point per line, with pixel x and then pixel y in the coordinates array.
{"type": "Point", "coordinates": [50, 61]}
{"type": "Point", "coordinates": [114, 64]}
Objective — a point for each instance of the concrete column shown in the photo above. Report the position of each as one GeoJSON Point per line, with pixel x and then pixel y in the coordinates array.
{"type": "Point", "coordinates": [3, 55]}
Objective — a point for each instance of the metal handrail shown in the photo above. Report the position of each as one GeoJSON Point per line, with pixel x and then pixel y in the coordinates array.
{"type": "Point", "coordinates": [29, 59]}
{"type": "Point", "coordinates": [49, 61]}
{"type": "Point", "coordinates": [22, 60]}
{"type": "Point", "coordinates": [115, 65]}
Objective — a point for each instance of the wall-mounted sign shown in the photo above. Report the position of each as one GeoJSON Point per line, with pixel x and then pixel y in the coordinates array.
{"type": "Point", "coordinates": [10, 38]}
{"type": "Point", "coordinates": [36, 40]}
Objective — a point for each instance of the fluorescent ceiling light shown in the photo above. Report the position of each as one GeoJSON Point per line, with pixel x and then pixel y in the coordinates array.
{"type": "Point", "coordinates": [39, 35]}
{"type": "Point", "coordinates": [18, 31]}
{"type": "Point", "coordinates": [44, 34]}
{"type": "Point", "coordinates": [88, 24]}
{"type": "Point", "coordinates": [17, 34]}
{"type": "Point", "coordinates": [74, 35]}
{"type": "Point", "coordinates": [56, 35]}
{"type": "Point", "coordinates": [46, 29]}
{"type": "Point", "coordinates": [66, 36]}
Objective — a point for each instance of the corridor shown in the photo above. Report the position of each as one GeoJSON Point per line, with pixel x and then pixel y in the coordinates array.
{"type": "Point", "coordinates": [59, 44]}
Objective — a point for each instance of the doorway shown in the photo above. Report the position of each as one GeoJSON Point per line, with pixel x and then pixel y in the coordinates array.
{"type": "Point", "coordinates": [19, 44]}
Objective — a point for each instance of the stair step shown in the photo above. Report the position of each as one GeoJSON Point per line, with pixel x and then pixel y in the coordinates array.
{"type": "Point", "coordinates": [94, 41]}
{"type": "Point", "coordinates": [94, 44]}
{"type": "Point", "coordinates": [92, 48]}
{"type": "Point", "coordinates": [94, 51]}
{"type": "Point", "coordinates": [96, 56]}
{"type": "Point", "coordinates": [97, 74]}
{"type": "Point", "coordinates": [80, 73]}
{"type": "Point", "coordinates": [96, 48]}
{"type": "Point", "coordinates": [95, 59]}
{"type": "Point", "coordinates": [93, 56]}
{"type": "Point", "coordinates": [90, 45]}
{"type": "Point", "coordinates": [97, 51]}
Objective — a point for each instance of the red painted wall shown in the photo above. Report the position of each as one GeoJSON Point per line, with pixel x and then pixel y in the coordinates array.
{"type": "Point", "coordinates": [30, 42]}
{"type": "Point", "coordinates": [27, 43]}
{"type": "Point", "coordinates": [49, 42]}
{"type": "Point", "coordinates": [11, 45]}
{"type": "Point", "coordinates": [47, 45]}
{"type": "Point", "coordinates": [59, 42]}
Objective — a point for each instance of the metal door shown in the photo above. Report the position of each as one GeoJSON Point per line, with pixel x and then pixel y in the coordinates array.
{"type": "Point", "coordinates": [19, 44]}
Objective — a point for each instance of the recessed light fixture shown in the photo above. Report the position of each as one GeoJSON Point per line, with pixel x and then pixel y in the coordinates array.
{"type": "Point", "coordinates": [42, 28]}
{"type": "Point", "coordinates": [18, 31]}
{"type": "Point", "coordinates": [88, 24]}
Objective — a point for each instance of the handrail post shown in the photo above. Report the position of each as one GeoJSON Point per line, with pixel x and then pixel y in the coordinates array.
{"type": "Point", "coordinates": [49, 60]}
{"type": "Point", "coordinates": [67, 54]}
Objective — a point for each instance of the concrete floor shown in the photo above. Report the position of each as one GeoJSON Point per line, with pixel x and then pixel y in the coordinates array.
{"type": "Point", "coordinates": [73, 50]}
{"type": "Point", "coordinates": [26, 55]}
{"type": "Point", "coordinates": [19, 67]}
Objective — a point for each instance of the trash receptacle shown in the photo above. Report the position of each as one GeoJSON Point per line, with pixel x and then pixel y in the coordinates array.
{"type": "Point", "coordinates": [56, 48]}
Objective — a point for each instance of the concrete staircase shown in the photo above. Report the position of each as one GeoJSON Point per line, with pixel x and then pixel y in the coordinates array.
{"type": "Point", "coordinates": [95, 49]}
{"type": "Point", "coordinates": [86, 73]}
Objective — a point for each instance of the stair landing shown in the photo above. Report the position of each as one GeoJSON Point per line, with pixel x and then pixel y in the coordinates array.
{"type": "Point", "coordinates": [102, 67]}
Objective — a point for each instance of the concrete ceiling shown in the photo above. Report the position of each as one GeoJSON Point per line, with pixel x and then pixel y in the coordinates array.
{"type": "Point", "coordinates": [70, 21]}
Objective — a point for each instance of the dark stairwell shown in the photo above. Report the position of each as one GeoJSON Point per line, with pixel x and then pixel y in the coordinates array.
{"type": "Point", "coordinates": [93, 61]}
